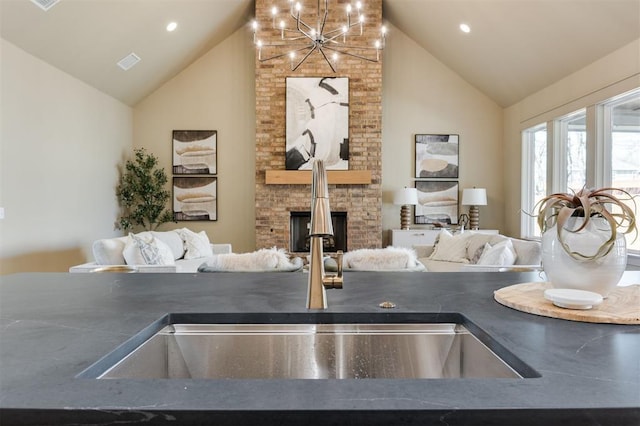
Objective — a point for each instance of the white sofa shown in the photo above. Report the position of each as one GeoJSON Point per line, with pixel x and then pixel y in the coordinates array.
{"type": "Point", "coordinates": [464, 253]}
{"type": "Point", "coordinates": [184, 251]}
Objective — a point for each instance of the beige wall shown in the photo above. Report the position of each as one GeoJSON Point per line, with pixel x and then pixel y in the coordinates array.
{"type": "Point", "coordinates": [614, 74]}
{"type": "Point", "coordinates": [60, 142]}
{"type": "Point", "coordinates": [421, 95]}
{"type": "Point", "coordinates": [217, 92]}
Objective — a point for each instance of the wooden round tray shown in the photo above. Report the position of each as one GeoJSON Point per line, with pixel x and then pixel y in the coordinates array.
{"type": "Point", "coordinates": [622, 306]}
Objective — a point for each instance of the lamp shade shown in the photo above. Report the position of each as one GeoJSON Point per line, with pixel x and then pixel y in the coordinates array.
{"type": "Point", "coordinates": [474, 197]}
{"type": "Point", "coordinates": [405, 196]}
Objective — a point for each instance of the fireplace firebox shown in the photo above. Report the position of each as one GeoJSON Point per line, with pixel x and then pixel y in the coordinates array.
{"type": "Point", "coordinates": [299, 235]}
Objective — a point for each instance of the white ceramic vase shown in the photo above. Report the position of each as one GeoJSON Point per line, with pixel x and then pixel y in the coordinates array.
{"type": "Point", "coordinates": [599, 275]}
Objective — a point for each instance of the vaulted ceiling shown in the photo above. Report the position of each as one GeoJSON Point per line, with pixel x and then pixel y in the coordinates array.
{"type": "Point", "coordinates": [515, 47]}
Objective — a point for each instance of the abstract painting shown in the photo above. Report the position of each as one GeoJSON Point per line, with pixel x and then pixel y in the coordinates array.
{"type": "Point", "coordinates": [437, 202]}
{"type": "Point", "coordinates": [195, 152]}
{"type": "Point", "coordinates": [317, 122]}
{"type": "Point", "coordinates": [436, 156]}
{"type": "Point", "coordinates": [195, 198]}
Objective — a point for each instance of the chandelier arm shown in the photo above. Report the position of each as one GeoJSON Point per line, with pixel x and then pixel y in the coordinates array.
{"type": "Point", "coordinates": [299, 21]}
{"type": "Point", "coordinates": [338, 32]}
{"type": "Point", "coordinates": [336, 44]}
{"type": "Point", "coordinates": [327, 59]}
{"type": "Point", "coordinates": [313, 47]}
{"type": "Point", "coordinates": [280, 55]}
{"type": "Point", "coordinates": [364, 58]}
{"type": "Point", "coordinates": [302, 37]}
{"type": "Point", "coordinates": [326, 13]}
{"type": "Point", "coordinates": [305, 43]}
{"type": "Point", "coordinates": [306, 34]}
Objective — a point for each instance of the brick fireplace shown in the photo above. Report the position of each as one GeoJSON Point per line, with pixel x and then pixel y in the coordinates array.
{"type": "Point", "coordinates": [361, 202]}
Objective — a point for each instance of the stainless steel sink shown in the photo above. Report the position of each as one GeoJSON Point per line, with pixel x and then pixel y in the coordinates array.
{"type": "Point", "coordinates": [307, 351]}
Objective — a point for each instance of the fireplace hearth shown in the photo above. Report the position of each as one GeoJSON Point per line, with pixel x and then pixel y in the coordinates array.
{"type": "Point", "coordinates": [299, 234]}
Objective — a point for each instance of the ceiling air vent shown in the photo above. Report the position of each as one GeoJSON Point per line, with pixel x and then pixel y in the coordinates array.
{"type": "Point", "coordinates": [128, 61]}
{"type": "Point", "coordinates": [45, 4]}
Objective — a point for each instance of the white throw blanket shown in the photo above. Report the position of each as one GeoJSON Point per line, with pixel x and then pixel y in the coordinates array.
{"type": "Point", "coordinates": [386, 259]}
{"type": "Point", "coordinates": [258, 261]}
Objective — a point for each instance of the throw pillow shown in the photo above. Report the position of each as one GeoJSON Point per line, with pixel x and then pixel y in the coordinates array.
{"type": "Point", "coordinates": [423, 250]}
{"type": "Point", "coordinates": [529, 252]}
{"type": "Point", "coordinates": [476, 256]}
{"type": "Point", "coordinates": [173, 240]}
{"type": "Point", "coordinates": [195, 245]}
{"type": "Point", "coordinates": [137, 251]}
{"type": "Point", "coordinates": [451, 248]}
{"type": "Point", "coordinates": [108, 251]}
{"type": "Point", "coordinates": [477, 240]}
{"type": "Point", "coordinates": [501, 254]}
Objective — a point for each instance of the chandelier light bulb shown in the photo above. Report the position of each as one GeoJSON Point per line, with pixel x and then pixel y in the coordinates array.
{"type": "Point", "coordinates": [377, 44]}
{"type": "Point", "coordinates": [274, 10]}
{"type": "Point", "coordinates": [298, 6]}
{"type": "Point", "coordinates": [292, 55]}
{"type": "Point", "coordinates": [348, 8]}
{"type": "Point", "coordinates": [383, 30]}
{"type": "Point", "coordinates": [358, 5]}
{"type": "Point", "coordinates": [345, 29]}
{"type": "Point", "coordinates": [335, 56]}
{"type": "Point", "coordinates": [361, 19]}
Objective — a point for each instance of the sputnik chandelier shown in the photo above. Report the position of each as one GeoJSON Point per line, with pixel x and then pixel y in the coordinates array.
{"type": "Point", "coordinates": [299, 39]}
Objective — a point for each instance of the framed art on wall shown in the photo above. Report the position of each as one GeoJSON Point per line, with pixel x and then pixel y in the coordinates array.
{"type": "Point", "coordinates": [317, 122]}
{"type": "Point", "coordinates": [437, 202]}
{"type": "Point", "coordinates": [195, 198]}
{"type": "Point", "coordinates": [195, 152]}
{"type": "Point", "coordinates": [436, 156]}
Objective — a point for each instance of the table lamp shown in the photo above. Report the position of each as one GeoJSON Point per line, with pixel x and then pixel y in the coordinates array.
{"type": "Point", "coordinates": [474, 197]}
{"type": "Point", "coordinates": [405, 197]}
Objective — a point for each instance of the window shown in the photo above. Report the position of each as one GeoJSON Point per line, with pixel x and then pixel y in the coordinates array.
{"type": "Point", "coordinates": [621, 147]}
{"type": "Point", "coordinates": [535, 175]}
{"type": "Point", "coordinates": [573, 149]}
{"type": "Point", "coordinates": [598, 146]}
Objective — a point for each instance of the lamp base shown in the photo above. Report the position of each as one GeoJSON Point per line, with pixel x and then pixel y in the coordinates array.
{"type": "Point", "coordinates": [405, 217]}
{"type": "Point", "coordinates": [474, 217]}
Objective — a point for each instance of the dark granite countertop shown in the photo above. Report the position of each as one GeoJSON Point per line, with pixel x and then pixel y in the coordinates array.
{"type": "Point", "coordinates": [53, 326]}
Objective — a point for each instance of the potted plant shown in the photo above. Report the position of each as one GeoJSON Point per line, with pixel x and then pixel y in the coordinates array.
{"type": "Point", "coordinates": [142, 194]}
{"type": "Point", "coordinates": [583, 244]}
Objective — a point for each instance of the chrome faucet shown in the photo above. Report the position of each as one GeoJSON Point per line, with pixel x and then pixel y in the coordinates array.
{"type": "Point", "coordinates": [321, 227]}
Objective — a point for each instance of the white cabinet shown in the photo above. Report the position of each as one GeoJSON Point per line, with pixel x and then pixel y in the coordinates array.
{"type": "Point", "coordinates": [413, 237]}
{"type": "Point", "coordinates": [422, 237]}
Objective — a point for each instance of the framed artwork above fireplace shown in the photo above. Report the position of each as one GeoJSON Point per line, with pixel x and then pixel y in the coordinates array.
{"type": "Point", "coordinates": [317, 122]}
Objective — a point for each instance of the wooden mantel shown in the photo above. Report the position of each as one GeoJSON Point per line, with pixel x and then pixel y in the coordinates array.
{"type": "Point", "coordinates": [303, 177]}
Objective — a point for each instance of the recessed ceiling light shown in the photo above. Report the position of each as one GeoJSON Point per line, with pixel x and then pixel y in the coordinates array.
{"type": "Point", "coordinates": [172, 26]}
{"type": "Point", "coordinates": [465, 28]}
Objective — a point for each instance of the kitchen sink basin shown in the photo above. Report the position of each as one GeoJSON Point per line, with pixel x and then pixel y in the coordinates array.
{"type": "Point", "coordinates": [308, 351]}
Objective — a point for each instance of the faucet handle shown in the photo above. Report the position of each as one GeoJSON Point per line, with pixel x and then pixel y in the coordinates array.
{"type": "Point", "coordinates": [339, 256]}
{"type": "Point", "coordinates": [331, 280]}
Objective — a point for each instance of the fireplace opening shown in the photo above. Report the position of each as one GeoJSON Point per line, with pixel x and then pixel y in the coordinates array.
{"type": "Point", "coordinates": [299, 235]}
